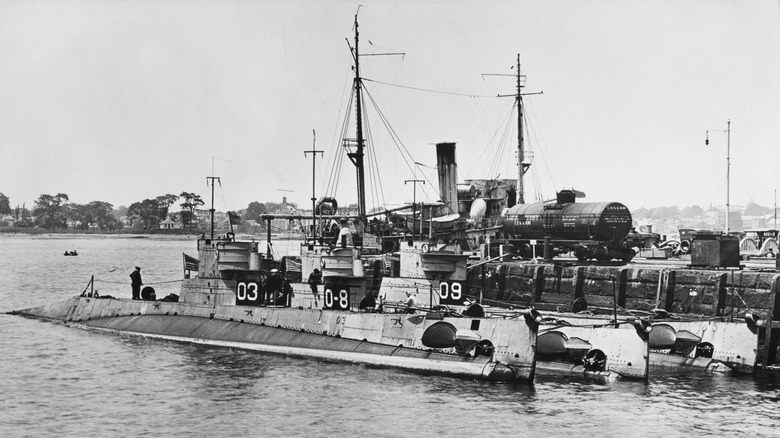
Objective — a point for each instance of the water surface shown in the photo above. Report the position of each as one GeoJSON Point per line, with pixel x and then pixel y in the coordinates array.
{"type": "Point", "coordinates": [64, 381]}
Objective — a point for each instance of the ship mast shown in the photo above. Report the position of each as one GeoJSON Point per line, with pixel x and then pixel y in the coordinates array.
{"type": "Point", "coordinates": [522, 167]}
{"type": "Point", "coordinates": [359, 143]}
{"type": "Point", "coordinates": [357, 156]}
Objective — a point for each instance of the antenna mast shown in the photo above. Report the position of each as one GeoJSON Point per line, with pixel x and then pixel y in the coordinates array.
{"type": "Point", "coordinates": [211, 211]}
{"type": "Point", "coordinates": [314, 153]}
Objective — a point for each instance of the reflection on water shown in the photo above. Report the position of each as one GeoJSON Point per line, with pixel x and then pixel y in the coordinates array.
{"type": "Point", "coordinates": [70, 382]}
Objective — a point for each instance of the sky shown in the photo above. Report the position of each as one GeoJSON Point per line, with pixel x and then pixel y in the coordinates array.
{"type": "Point", "coordinates": [121, 101]}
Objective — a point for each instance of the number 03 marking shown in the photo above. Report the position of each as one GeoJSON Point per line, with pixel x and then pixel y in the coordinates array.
{"type": "Point", "coordinates": [246, 291]}
{"type": "Point", "coordinates": [450, 292]}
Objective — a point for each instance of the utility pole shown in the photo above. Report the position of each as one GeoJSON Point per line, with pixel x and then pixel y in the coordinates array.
{"type": "Point", "coordinates": [313, 153]}
{"type": "Point", "coordinates": [414, 203]}
{"type": "Point", "coordinates": [728, 162]}
{"type": "Point", "coordinates": [211, 211]}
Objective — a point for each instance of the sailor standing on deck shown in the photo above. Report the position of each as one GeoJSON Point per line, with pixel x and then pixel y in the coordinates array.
{"type": "Point", "coordinates": [345, 235]}
{"type": "Point", "coordinates": [315, 278]}
{"type": "Point", "coordinates": [274, 286]}
{"type": "Point", "coordinates": [135, 282]}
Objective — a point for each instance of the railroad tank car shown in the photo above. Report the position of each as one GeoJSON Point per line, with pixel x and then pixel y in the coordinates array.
{"type": "Point", "coordinates": [590, 230]}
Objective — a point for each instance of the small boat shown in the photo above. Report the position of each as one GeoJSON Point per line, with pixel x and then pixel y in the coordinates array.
{"type": "Point", "coordinates": [71, 253]}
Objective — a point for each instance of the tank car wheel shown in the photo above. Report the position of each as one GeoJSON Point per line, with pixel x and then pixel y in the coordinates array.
{"type": "Point", "coordinates": [602, 254]}
{"type": "Point", "coordinates": [525, 251]}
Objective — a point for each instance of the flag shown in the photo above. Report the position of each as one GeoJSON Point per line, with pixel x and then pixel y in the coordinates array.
{"type": "Point", "coordinates": [235, 219]}
{"type": "Point", "coordinates": [190, 263]}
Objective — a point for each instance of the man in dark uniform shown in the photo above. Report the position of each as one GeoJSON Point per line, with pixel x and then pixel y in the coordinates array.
{"type": "Point", "coordinates": [273, 287]}
{"type": "Point", "coordinates": [287, 294]}
{"type": "Point", "coordinates": [315, 278]}
{"type": "Point", "coordinates": [135, 282]}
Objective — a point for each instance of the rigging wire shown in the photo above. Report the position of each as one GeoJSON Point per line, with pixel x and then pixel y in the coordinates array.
{"type": "Point", "coordinates": [502, 154]}
{"type": "Point", "coordinates": [487, 148]}
{"type": "Point", "coordinates": [338, 135]}
{"type": "Point", "coordinates": [376, 192]}
{"type": "Point", "coordinates": [531, 129]}
{"type": "Point", "coordinates": [337, 159]}
{"type": "Point", "coordinates": [426, 90]}
{"type": "Point", "coordinates": [398, 143]}
{"type": "Point", "coordinates": [378, 187]}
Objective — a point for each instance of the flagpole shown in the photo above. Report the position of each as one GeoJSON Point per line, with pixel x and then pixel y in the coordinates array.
{"type": "Point", "coordinates": [728, 164]}
{"type": "Point", "coordinates": [728, 170]}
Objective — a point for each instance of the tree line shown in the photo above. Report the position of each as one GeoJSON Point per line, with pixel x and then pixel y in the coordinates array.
{"type": "Point", "coordinates": [56, 212]}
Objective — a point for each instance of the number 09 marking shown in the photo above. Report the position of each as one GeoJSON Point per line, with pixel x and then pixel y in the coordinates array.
{"type": "Point", "coordinates": [450, 292]}
{"type": "Point", "coordinates": [341, 301]}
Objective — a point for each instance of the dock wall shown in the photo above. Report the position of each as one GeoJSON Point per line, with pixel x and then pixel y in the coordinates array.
{"type": "Point", "coordinates": [708, 293]}
{"type": "Point", "coordinates": [712, 295]}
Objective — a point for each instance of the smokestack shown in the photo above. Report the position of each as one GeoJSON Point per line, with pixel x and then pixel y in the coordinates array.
{"type": "Point", "coordinates": [448, 174]}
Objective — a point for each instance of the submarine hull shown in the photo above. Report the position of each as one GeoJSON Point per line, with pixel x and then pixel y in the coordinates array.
{"type": "Point", "coordinates": [392, 340]}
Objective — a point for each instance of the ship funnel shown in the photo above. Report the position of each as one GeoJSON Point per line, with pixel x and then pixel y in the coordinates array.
{"type": "Point", "coordinates": [448, 174]}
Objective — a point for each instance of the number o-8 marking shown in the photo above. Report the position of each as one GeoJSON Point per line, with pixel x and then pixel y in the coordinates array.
{"type": "Point", "coordinates": [247, 291]}
{"type": "Point", "coordinates": [340, 301]}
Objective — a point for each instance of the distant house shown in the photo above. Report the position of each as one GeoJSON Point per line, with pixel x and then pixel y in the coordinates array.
{"type": "Point", "coordinates": [7, 220]}
{"type": "Point", "coordinates": [168, 224]}
{"type": "Point", "coordinates": [279, 224]}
